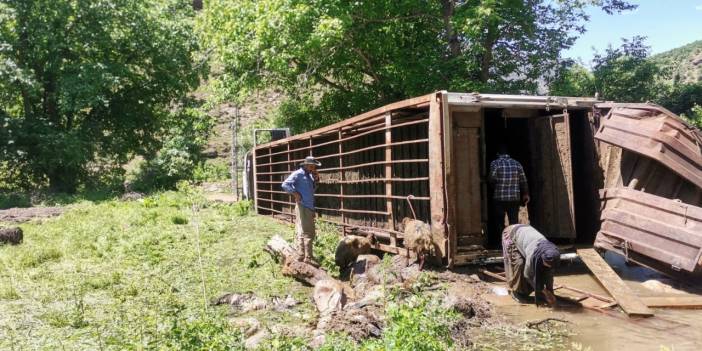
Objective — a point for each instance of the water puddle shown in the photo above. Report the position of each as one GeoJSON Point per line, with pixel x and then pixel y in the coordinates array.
{"type": "Point", "coordinates": [674, 329]}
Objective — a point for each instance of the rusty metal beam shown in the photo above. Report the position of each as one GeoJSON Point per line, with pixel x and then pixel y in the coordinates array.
{"type": "Point", "coordinates": [668, 231]}
{"type": "Point", "coordinates": [360, 118]}
{"type": "Point", "coordinates": [355, 136]}
{"type": "Point", "coordinates": [370, 180]}
{"type": "Point", "coordinates": [657, 133]}
{"type": "Point", "coordinates": [416, 141]}
{"type": "Point", "coordinates": [353, 211]}
{"type": "Point", "coordinates": [373, 196]}
{"type": "Point", "coordinates": [376, 163]}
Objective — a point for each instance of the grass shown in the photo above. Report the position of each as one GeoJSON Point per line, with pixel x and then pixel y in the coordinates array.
{"type": "Point", "coordinates": [139, 275]}
{"type": "Point", "coordinates": [127, 275]}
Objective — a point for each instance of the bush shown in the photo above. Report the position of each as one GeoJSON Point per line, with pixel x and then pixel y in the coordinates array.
{"type": "Point", "coordinates": [210, 171]}
{"type": "Point", "coordinates": [694, 117]}
{"type": "Point", "coordinates": [206, 333]}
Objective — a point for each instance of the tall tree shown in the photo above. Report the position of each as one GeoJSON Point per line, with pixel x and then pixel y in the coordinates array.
{"type": "Point", "coordinates": [89, 82]}
{"type": "Point", "coordinates": [334, 58]}
{"type": "Point", "coordinates": [625, 73]}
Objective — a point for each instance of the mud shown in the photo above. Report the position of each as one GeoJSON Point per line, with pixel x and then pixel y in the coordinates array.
{"type": "Point", "coordinates": [20, 215]}
{"type": "Point", "coordinates": [671, 328]}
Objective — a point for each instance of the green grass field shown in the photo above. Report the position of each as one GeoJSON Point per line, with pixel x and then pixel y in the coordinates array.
{"type": "Point", "coordinates": [128, 275]}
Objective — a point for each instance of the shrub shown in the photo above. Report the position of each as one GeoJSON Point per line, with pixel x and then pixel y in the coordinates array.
{"type": "Point", "coordinates": [179, 219]}
{"type": "Point", "coordinates": [210, 171]}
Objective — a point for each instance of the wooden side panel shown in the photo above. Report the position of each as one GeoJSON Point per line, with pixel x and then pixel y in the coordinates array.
{"type": "Point", "coordinates": [436, 177]}
{"type": "Point", "coordinates": [630, 303]}
{"type": "Point", "coordinates": [467, 197]}
{"type": "Point", "coordinates": [551, 208]}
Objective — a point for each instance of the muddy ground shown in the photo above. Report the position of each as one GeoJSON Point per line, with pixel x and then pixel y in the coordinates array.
{"type": "Point", "coordinates": [20, 215]}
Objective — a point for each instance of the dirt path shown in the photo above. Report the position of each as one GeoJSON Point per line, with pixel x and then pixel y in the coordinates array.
{"type": "Point", "coordinates": [19, 215]}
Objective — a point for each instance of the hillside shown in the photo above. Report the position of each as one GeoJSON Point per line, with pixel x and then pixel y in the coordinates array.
{"type": "Point", "coordinates": [685, 62]}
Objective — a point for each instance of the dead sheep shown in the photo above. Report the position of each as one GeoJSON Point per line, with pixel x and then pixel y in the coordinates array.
{"type": "Point", "coordinates": [418, 239]}
{"type": "Point", "coordinates": [349, 248]}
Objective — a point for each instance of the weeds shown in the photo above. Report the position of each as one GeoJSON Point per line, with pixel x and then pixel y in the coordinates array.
{"type": "Point", "coordinates": [123, 275]}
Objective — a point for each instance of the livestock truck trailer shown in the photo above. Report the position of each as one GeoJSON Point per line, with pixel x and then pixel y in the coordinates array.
{"type": "Point", "coordinates": [624, 177]}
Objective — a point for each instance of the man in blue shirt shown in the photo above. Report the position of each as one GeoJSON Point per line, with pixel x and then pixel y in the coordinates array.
{"type": "Point", "coordinates": [302, 184]}
{"type": "Point", "coordinates": [510, 190]}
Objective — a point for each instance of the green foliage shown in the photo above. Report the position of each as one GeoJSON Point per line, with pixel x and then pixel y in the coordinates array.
{"type": "Point", "coordinates": [243, 207]}
{"type": "Point", "coordinates": [206, 333]}
{"type": "Point", "coordinates": [695, 116]}
{"type": "Point", "coordinates": [325, 246]}
{"type": "Point", "coordinates": [418, 324]}
{"type": "Point", "coordinates": [211, 171]}
{"type": "Point", "coordinates": [625, 74]}
{"type": "Point", "coordinates": [84, 85]}
{"type": "Point", "coordinates": [681, 98]}
{"type": "Point", "coordinates": [180, 154]}
{"type": "Point", "coordinates": [573, 80]}
{"type": "Point", "coordinates": [179, 220]}
{"type": "Point", "coordinates": [335, 58]}
{"type": "Point", "coordinates": [681, 61]}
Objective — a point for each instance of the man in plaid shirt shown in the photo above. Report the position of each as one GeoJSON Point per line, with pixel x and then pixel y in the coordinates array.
{"type": "Point", "coordinates": [510, 190]}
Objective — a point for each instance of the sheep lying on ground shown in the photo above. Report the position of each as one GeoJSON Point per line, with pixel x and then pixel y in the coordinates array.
{"type": "Point", "coordinates": [350, 247]}
{"type": "Point", "coordinates": [418, 238]}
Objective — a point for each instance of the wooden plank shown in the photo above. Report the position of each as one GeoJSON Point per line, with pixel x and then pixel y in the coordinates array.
{"type": "Point", "coordinates": [388, 174]}
{"type": "Point", "coordinates": [467, 187]}
{"type": "Point", "coordinates": [436, 174]}
{"type": "Point", "coordinates": [684, 302]}
{"type": "Point", "coordinates": [630, 303]}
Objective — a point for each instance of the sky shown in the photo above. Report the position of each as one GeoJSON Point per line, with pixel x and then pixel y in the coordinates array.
{"type": "Point", "coordinates": [667, 24]}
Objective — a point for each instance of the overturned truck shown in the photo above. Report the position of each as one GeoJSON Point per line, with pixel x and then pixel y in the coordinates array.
{"type": "Point", "coordinates": [626, 177]}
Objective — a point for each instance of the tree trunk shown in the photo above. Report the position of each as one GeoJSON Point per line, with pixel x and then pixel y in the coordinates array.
{"type": "Point", "coordinates": [301, 271]}
{"type": "Point", "coordinates": [448, 7]}
{"type": "Point", "coordinates": [488, 46]}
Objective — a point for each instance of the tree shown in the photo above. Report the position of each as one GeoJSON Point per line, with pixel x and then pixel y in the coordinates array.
{"type": "Point", "coordinates": [85, 84]}
{"type": "Point", "coordinates": [573, 80]}
{"type": "Point", "coordinates": [625, 73]}
{"type": "Point", "coordinates": [336, 58]}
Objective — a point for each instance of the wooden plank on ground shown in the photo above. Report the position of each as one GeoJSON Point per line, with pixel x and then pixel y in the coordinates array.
{"type": "Point", "coordinates": [628, 301]}
{"type": "Point", "coordinates": [685, 302]}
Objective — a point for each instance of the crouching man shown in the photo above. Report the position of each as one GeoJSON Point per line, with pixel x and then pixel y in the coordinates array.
{"type": "Point", "coordinates": [530, 260]}
{"type": "Point", "coordinates": [302, 184]}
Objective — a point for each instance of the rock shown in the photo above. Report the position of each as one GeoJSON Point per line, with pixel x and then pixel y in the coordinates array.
{"type": "Point", "coordinates": [247, 326]}
{"type": "Point", "coordinates": [254, 341]}
{"type": "Point", "coordinates": [12, 236]}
